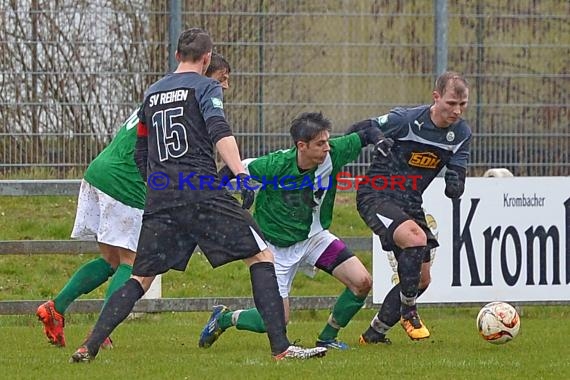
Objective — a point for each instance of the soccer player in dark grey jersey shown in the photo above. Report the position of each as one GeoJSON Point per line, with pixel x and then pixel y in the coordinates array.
{"type": "Point", "coordinates": [181, 120]}
{"type": "Point", "coordinates": [426, 139]}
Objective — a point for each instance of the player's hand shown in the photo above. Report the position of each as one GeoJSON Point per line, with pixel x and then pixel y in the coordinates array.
{"type": "Point", "coordinates": [384, 145]}
{"type": "Point", "coordinates": [453, 185]}
{"type": "Point", "coordinates": [247, 193]}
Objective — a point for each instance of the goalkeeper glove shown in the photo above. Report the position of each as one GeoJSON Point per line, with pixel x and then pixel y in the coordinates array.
{"type": "Point", "coordinates": [384, 145]}
{"type": "Point", "coordinates": [247, 193]}
{"type": "Point", "coordinates": [453, 185]}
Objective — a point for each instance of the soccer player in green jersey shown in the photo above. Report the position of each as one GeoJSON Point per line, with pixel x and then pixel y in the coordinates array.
{"type": "Point", "coordinates": [294, 208]}
{"type": "Point", "coordinates": [110, 207]}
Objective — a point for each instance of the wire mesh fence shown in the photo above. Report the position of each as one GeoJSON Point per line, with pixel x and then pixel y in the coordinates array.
{"type": "Point", "coordinates": [71, 71]}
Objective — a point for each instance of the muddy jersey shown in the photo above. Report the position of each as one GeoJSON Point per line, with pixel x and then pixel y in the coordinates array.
{"type": "Point", "coordinates": [180, 119]}
{"type": "Point", "coordinates": [419, 153]}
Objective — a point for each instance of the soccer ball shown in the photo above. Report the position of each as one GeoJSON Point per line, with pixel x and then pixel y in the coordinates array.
{"type": "Point", "coordinates": [498, 322]}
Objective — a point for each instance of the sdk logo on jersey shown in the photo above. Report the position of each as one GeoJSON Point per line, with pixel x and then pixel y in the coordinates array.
{"type": "Point", "coordinates": [427, 160]}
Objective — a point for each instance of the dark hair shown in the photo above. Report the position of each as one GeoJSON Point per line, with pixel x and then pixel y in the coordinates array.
{"type": "Point", "coordinates": [309, 125]}
{"type": "Point", "coordinates": [193, 43]}
{"type": "Point", "coordinates": [218, 62]}
{"type": "Point", "coordinates": [456, 80]}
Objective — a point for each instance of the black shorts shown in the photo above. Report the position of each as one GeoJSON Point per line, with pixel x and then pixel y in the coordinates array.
{"type": "Point", "coordinates": [392, 214]}
{"type": "Point", "coordinates": [224, 231]}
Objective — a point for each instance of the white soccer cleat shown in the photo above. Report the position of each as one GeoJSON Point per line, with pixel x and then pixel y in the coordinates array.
{"type": "Point", "coordinates": [296, 352]}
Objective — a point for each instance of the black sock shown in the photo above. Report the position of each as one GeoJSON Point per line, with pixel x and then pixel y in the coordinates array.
{"type": "Point", "coordinates": [269, 303]}
{"type": "Point", "coordinates": [117, 308]}
{"type": "Point", "coordinates": [409, 270]}
{"type": "Point", "coordinates": [389, 312]}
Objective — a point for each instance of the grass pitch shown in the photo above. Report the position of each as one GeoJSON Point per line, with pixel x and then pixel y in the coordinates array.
{"type": "Point", "coordinates": [164, 346]}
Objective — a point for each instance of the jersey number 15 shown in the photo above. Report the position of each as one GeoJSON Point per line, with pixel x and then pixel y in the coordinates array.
{"type": "Point", "coordinates": [171, 136]}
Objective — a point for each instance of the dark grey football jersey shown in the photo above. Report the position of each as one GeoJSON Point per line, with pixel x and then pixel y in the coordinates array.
{"type": "Point", "coordinates": [180, 146]}
{"type": "Point", "coordinates": [420, 150]}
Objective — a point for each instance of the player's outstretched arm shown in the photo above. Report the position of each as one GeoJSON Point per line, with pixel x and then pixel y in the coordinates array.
{"type": "Point", "coordinates": [360, 126]}
{"type": "Point", "coordinates": [369, 133]}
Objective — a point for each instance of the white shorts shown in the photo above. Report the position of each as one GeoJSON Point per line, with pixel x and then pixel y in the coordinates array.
{"type": "Point", "coordinates": [302, 255]}
{"type": "Point", "coordinates": [105, 219]}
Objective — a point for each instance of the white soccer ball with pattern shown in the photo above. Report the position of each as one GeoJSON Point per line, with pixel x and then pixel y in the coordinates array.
{"type": "Point", "coordinates": [498, 322]}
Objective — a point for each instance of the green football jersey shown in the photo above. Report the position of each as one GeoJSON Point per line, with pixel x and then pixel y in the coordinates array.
{"type": "Point", "coordinates": [292, 206]}
{"type": "Point", "coordinates": [114, 170]}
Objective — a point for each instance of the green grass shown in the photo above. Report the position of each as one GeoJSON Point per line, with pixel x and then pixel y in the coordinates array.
{"type": "Point", "coordinates": [36, 218]}
{"type": "Point", "coordinates": [52, 217]}
{"type": "Point", "coordinates": [165, 345]}
{"type": "Point", "coordinates": [42, 276]}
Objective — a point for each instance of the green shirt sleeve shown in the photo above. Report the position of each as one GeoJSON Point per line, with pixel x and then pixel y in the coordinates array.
{"type": "Point", "coordinates": [345, 149]}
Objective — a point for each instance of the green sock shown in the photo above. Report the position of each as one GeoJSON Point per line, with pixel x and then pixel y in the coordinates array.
{"type": "Point", "coordinates": [346, 307]}
{"type": "Point", "coordinates": [122, 274]}
{"type": "Point", "coordinates": [249, 320]}
{"type": "Point", "coordinates": [86, 279]}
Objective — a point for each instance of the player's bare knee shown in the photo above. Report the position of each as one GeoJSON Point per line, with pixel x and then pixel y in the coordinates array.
{"type": "Point", "coordinates": [111, 259]}
{"type": "Point", "coordinates": [359, 282]}
{"type": "Point", "coordinates": [416, 238]}
{"type": "Point", "coordinates": [409, 234]}
{"type": "Point", "coordinates": [115, 255]}
{"type": "Point", "coordinates": [363, 286]}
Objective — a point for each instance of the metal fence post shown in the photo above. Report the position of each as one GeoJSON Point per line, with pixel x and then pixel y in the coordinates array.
{"type": "Point", "coordinates": [174, 29]}
{"type": "Point", "coordinates": [440, 38]}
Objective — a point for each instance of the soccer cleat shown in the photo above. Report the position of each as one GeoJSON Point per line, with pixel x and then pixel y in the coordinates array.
{"type": "Point", "coordinates": [296, 352]}
{"type": "Point", "coordinates": [332, 344]}
{"type": "Point", "coordinates": [81, 355]}
{"type": "Point", "coordinates": [212, 330]}
{"type": "Point", "coordinates": [414, 326]}
{"type": "Point", "coordinates": [363, 340]}
{"type": "Point", "coordinates": [53, 322]}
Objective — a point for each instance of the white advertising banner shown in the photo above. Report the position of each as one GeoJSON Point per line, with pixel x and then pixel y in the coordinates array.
{"type": "Point", "coordinates": [505, 239]}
